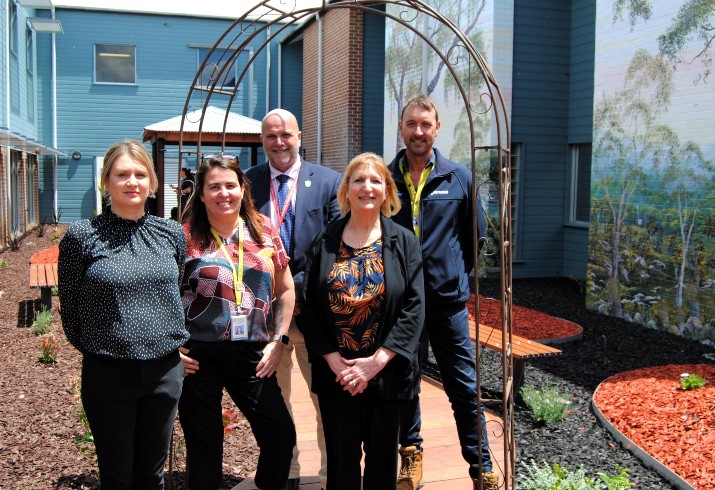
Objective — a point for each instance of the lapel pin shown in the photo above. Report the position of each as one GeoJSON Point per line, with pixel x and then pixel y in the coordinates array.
{"type": "Point", "coordinates": [308, 183]}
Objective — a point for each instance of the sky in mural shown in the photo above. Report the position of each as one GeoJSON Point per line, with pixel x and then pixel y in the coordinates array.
{"type": "Point", "coordinates": [693, 110]}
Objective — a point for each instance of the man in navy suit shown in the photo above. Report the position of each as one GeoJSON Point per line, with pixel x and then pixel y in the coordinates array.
{"type": "Point", "coordinates": [300, 198]}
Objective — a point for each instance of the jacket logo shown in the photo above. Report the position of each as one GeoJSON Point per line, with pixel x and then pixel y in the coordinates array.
{"type": "Point", "coordinates": [439, 193]}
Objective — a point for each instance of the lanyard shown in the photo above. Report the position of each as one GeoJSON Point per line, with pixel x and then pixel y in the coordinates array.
{"type": "Point", "coordinates": [281, 213]}
{"type": "Point", "coordinates": [415, 194]}
{"type": "Point", "coordinates": [237, 274]}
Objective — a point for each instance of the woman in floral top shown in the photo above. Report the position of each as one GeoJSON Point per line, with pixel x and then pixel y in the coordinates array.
{"type": "Point", "coordinates": [238, 297]}
{"type": "Point", "coordinates": [362, 316]}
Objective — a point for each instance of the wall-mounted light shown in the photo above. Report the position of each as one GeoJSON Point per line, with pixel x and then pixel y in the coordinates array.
{"type": "Point", "coordinates": [76, 155]}
{"type": "Point", "coordinates": [41, 24]}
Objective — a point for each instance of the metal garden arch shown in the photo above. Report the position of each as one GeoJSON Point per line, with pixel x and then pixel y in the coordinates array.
{"type": "Point", "coordinates": [269, 18]}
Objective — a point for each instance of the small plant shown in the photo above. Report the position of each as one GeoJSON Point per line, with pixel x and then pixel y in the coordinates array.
{"type": "Point", "coordinates": [43, 319]}
{"type": "Point", "coordinates": [616, 482]}
{"type": "Point", "coordinates": [229, 417]}
{"type": "Point", "coordinates": [86, 436]}
{"type": "Point", "coordinates": [50, 348]}
{"type": "Point", "coordinates": [559, 477]}
{"type": "Point", "coordinates": [547, 405]}
{"type": "Point", "coordinates": [40, 230]}
{"type": "Point", "coordinates": [55, 236]}
{"type": "Point", "coordinates": [691, 381]}
{"type": "Point", "coordinates": [3, 263]}
{"type": "Point", "coordinates": [55, 290]}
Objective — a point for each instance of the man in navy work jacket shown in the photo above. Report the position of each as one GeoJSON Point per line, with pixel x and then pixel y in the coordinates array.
{"type": "Point", "coordinates": [436, 196]}
{"type": "Point", "coordinates": [300, 198]}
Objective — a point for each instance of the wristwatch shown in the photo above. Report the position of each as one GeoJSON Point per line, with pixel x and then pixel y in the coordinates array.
{"type": "Point", "coordinates": [283, 339]}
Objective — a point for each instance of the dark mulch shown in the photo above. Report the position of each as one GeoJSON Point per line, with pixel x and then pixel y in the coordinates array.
{"type": "Point", "coordinates": [39, 426]}
{"type": "Point", "coordinates": [609, 346]}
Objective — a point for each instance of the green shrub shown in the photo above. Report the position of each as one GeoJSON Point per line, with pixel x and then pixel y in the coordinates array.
{"type": "Point", "coordinates": [547, 405]}
{"type": "Point", "coordinates": [55, 290]}
{"type": "Point", "coordinates": [43, 320]}
{"type": "Point", "coordinates": [557, 477]}
{"type": "Point", "coordinates": [50, 349]}
{"type": "Point", "coordinates": [3, 263]}
{"type": "Point", "coordinates": [691, 381]}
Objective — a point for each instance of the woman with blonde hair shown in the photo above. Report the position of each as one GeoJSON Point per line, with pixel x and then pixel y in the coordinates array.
{"type": "Point", "coordinates": [362, 315]}
{"type": "Point", "coordinates": [119, 276]}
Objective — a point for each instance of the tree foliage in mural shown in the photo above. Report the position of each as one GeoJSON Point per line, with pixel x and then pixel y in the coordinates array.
{"type": "Point", "coordinates": [404, 63]}
{"type": "Point", "coordinates": [652, 240]}
{"type": "Point", "coordinates": [695, 22]}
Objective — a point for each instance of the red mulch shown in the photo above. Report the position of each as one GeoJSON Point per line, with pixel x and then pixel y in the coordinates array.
{"type": "Point", "coordinates": [528, 323]}
{"type": "Point", "coordinates": [675, 426]}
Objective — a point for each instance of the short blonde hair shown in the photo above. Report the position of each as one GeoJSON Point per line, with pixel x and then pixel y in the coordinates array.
{"type": "Point", "coordinates": [392, 204]}
{"type": "Point", "coordinates": [134, 150]}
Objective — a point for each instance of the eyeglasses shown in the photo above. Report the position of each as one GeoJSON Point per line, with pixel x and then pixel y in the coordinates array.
{"type": "Point", "coordinates": [219, 156]}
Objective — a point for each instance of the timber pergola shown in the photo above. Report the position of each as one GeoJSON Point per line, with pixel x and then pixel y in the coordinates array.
{"type": "Point", "coordinates": [220, 129]}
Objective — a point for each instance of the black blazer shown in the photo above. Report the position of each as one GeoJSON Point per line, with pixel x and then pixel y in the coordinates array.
{"type": "Point", "coordinates": [316, 205]}
{"type": "Point", "coordinates": [402, 310]}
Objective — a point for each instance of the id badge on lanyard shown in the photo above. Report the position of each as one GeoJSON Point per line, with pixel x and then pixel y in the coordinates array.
{"type": "Point", "coordinates": [239, 327]}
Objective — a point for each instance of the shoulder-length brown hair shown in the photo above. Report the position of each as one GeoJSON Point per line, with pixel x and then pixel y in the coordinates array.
{"type": "Point", "coordinates": [199, 225]}
{"type": "Point", "coordinates": [392, 204]}
{"type": "Point", "coordinates": [134, 150]}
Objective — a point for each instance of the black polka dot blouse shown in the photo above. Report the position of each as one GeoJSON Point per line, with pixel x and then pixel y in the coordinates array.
{"type": "Point", "coordinates": [119, 286]}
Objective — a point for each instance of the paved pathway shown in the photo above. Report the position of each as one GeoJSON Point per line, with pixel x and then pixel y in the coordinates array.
{"type": "Point", "coordinates": [444, 468]}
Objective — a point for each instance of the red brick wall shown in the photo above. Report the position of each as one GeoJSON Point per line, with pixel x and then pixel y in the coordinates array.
{"type": "Point", "coordinates": [341, 116]}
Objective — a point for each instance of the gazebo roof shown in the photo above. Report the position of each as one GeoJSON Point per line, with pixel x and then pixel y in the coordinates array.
{"type": "Point", "coordinates": [239, 130]}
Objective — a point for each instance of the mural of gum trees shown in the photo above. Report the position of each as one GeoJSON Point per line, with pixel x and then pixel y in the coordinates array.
{"type": "Point", "coordinates": [651, 241]}
{"type": "Point", "coordinates": [627, 140]}
{"type": "Point", "coordinates": [412, 66]}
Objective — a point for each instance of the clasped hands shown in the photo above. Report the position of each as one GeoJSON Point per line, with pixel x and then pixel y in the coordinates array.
{"type": "Point", "coordinates": [352, 374]}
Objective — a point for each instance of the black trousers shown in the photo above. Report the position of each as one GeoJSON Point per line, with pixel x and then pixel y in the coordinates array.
{"type": "Point", "coordinates": [131, 407]}
{"type": "Point", "coordinates": [352, 424]}
{"type": "Point", "coordinates": [232, 365]}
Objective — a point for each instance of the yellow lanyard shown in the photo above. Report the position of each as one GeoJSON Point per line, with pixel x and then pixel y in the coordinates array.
{"type": "Point", "coordinates": [237, 274]}
{"type": "Point", "coordinates": [416, 194]}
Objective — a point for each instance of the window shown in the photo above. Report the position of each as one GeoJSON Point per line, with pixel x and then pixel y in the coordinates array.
{"type": "Point", "coordinates": [13, 28]}
{"type": "Point", "coordinates": [217, 63]}
{"type": "Point", "coordinates": [580, 207]}
{"type": "Point", "coordinates": [114, 63]}
{"type": "Point", "coordinates": [15, 222]}
{"type": "Point", "coordinates": [30, 165]}
{"type": "Point", "coordinates": [30, 81]}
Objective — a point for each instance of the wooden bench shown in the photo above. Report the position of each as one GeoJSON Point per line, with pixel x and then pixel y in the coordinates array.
{"type": "Point", "coordinates": [44, 276]}
{"type": "Point", "coordinates": [522, 349]}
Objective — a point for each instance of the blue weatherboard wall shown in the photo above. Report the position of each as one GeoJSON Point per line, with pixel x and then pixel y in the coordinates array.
{"type": "Point", "coordinates": [93, 116]}
{"type": "Point", "coordinates": [580, 129]}
{"type": "Point", "coordinates": [373, 97]}
{"type": "Point", "coordinates": [539, 122]}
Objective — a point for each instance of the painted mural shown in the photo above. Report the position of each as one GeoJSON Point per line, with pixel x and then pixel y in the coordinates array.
{"type": "Point", "coordinates": [413, 66]}
{"type": "Point", "coordinates": [652, 232]}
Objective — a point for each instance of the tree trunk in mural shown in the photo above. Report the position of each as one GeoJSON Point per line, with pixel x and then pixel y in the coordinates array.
{"type": "Point", "coordinates": [628, 141]}
{"type": "Point", "coordinates": [406, 75]}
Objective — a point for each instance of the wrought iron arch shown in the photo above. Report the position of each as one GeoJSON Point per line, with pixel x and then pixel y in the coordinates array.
{"type": "Point", "coordinates": [271, 17]}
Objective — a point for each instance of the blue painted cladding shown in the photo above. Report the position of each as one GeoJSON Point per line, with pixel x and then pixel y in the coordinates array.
{"type": "Point", "coordinates": [580, 130]}
{"type": "Point", "coordinates": [373, 97]}
{"type": "Point", "coordinates": [93, 116]}
{"type": "Point", "coordinates": [292, 75]}
{"type": "Point", "coordinates": [23, 99]}
{"type": "Point", "coordinates": [540, 121]}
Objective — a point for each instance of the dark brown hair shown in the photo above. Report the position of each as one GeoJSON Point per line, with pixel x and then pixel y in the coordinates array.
{"type": "Point", "coordinates": [199, 225]}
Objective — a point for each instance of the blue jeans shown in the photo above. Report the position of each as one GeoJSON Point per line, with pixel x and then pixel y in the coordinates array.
{"type": "Point", "coordinates": [447, 328]}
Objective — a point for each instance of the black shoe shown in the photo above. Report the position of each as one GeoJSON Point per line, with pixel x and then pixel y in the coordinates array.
{"type": "Point", "coordinates": [292, 484]}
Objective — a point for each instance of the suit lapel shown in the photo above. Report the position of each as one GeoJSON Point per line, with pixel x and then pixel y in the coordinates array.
{"type": "Point", "coordinates": [302, 195]}
{"type": "Point", "coordinates": [261, 190]}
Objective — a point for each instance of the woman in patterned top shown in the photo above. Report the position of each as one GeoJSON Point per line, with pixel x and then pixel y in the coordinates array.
{"type": "Point", "coordinates": [362, 313]}
{"type": "Point", "coordinates": [119, 276]}
{"type": "Point", "coordinates": [238, 296]}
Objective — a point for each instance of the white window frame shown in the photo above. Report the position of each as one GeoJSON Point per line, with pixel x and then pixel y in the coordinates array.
{"type": "Point", "coordinates": [578, 185]}
{"type": "Point", "coordinates": [117, 54]}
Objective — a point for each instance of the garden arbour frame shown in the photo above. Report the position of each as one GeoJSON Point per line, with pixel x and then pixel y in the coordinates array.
{"type": "Point", "coordinates": [269, 18]}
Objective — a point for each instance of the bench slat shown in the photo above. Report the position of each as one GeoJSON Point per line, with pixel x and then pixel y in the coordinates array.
{"type": "Point", "coordinates": [522, 348]}
{"type": "Point", "coordinates": [43, 275]}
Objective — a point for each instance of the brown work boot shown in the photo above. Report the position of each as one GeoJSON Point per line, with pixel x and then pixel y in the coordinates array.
{"type": "Point", "coordinates": [489, 482]}
{"type": "Point", "coordinates": [410, 477]}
